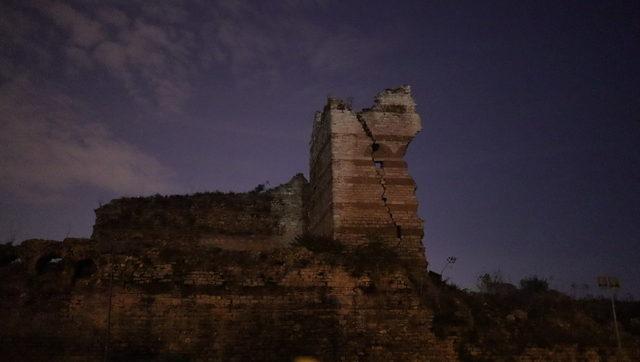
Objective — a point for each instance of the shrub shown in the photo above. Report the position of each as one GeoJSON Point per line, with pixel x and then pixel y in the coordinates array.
{"type": "Point", "coordinates": [493, 284]}
{"type": "Point", "coordinates": [8, 254]}
{"type": "Point", "coordinates": [374, 256]}
{"type": "Point", "coordinates": [534, 284]}
{"type": "Point", "coordinates": [319, 244]}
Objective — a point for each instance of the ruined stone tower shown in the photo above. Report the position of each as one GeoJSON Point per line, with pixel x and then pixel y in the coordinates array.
{"type": "Point", "coordinates": [216, 276]}
{"type": "Point", "coordinates": [360, 185]}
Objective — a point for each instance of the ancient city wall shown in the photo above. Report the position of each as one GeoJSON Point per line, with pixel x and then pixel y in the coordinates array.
{"type": "Point", "coordinates": [260, 276]}
{"type": "Point", "coordinates": [359, 189]}
{"type": "Point", "coordinates": [84, 300]}
{"type": "Point", "coordinates": [256, 220]}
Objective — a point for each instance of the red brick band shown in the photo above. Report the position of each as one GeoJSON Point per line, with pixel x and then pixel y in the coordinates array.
{"type": "Point", "coordinates": [371, 205]}
{"type": "Point", "coordinates": [387, 163]}
{"type": "Point", "coordinates": [378, 230]}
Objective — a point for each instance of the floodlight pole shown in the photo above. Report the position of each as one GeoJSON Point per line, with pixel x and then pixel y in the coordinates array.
{"type": "Point", "coordinates": [615, 321]}
{"type": "Point", "coordinates": [443, 269]}
{"type": "Point", "coordinates": [611, 284]}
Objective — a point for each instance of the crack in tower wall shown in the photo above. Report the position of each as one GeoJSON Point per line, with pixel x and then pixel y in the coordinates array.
{"type": "Point", "coordinates": [380, 174]}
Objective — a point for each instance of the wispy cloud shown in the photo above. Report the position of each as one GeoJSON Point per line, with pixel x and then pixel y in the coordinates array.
{"type": "Point", "coordinates": [146, 53]}
{"type": "Point", "coordinates": [84, 31]}
{"type": "Point", "coordinates": [157, 55]}
{"type": "Point", "coordinates": [48, 147]}
{"type": "Point", "coordinates": [159, 52]}
{"type": "Point", "coordinates": [270, 41]}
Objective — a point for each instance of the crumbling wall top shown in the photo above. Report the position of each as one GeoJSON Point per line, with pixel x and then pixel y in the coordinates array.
{"type": "Point", "coordinates": [395, 100]}
{"type": "Point", "coordinates": [257, 219]}
{"type": "Point", "coordinates": [339, 104]}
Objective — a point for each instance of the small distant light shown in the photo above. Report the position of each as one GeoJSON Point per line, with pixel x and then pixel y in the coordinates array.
{"type": "Point", "coordinates": [305, 359]}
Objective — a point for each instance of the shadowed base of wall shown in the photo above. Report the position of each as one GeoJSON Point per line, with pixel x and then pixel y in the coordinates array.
{"type": "Point", "coordinates": [89, 300]}
{"type": "Point", "coordinates": [146, 302]}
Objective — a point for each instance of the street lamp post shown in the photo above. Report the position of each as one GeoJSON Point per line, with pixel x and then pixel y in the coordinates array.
{"type": "Point", "coordinates": [450, 260]}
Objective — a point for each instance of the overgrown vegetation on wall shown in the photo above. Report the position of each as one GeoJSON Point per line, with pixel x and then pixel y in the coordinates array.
{"type": "Point", "coordinates": [373, 257]}
{"type": "Point", "coordinates": [504, 320]}
{"type": "Point", "coordinates": [186, 216]}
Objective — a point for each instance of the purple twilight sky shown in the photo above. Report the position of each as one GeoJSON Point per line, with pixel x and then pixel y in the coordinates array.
{"type": "Point", "coordinates": [529, 161]}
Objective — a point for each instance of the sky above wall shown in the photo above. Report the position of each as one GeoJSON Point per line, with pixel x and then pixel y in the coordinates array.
{"type": "Point", "coordinates": [529, 161]}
